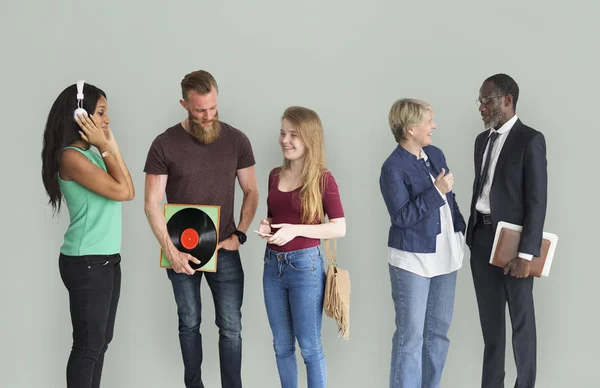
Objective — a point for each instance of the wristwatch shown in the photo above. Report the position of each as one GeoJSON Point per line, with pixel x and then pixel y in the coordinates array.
{"type": "Point", "coordinates": [241, 236]}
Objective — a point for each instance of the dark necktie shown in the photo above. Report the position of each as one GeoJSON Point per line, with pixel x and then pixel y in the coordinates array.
{"type": "Point", "coordinates": [484, 173]}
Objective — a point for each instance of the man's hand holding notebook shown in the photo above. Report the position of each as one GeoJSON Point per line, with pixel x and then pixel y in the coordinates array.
{"type": "Point", "coordinates": [506, 248]}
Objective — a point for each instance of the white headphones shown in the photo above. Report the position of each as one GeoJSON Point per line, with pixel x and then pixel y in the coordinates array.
{"type": "Point", "coordinates": [80, 109]}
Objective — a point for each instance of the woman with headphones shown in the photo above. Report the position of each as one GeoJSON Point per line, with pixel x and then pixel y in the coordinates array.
{"type": "Point", "coordinates": [93, 185]}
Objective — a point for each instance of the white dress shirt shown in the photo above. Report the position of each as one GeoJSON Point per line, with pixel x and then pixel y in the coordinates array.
{"type": "Point", "coordinates": [483, 202]}
{"type": "Point", "coordinates": [449, 249]}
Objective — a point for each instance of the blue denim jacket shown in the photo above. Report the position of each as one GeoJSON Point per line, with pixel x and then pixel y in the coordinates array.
{"type": "Point", "coordinates": [413, 201]}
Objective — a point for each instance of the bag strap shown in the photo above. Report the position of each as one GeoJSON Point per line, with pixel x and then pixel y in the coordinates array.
{"type": "Point", "coordinates": [331, 254]}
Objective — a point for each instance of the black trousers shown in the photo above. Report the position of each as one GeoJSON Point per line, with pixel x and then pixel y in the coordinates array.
{"type": "Point", "coordinates": [94, 285]}
{"type": "Point", "coordinates": [494, 290]}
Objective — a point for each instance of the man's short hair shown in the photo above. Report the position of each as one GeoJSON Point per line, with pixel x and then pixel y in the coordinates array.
{"type": "Point", "coordinates": [200, 81]}
{"type": "Point", "coordinates": [505, 85]}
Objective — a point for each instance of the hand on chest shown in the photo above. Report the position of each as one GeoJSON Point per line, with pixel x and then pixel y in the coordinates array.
{"type": "Point", "coordinates": [421, 176]}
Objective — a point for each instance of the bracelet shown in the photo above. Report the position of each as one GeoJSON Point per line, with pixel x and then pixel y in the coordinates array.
{"type": "Point", "coordinates": [105, 154]}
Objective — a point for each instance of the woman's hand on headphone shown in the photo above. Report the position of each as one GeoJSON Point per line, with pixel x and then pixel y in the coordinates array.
{"type": "Point", "coordinates": [91, 132]}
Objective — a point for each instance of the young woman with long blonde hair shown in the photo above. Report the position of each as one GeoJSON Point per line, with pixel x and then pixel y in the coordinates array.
{"type": "Point", "coordinates": [302, 193]}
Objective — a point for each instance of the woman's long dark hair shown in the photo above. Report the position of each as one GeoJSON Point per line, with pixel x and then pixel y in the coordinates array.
{"type": "Point", "coordinates": [61, 131]}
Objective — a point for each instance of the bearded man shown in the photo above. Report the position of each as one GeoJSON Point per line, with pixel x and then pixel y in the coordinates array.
{"type": "Point", "coordinates": [510, 185]}
{"type": "Point", "coordinates": [197, 161]}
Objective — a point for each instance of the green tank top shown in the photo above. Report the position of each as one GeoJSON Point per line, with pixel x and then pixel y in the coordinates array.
{"type": "Point", "coordinates": [95, 221]}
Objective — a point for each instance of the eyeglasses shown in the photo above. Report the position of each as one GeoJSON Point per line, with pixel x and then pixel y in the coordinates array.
{"type": "Point", "coordinates": [488, 99]}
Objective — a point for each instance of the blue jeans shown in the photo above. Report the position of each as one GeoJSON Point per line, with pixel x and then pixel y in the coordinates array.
{"type": "Point", "coordinates": [293, 286]}
{"type": "Point", "coordinates": [424, 308]}
{"type": "Point", "coordinates": [227, 287]}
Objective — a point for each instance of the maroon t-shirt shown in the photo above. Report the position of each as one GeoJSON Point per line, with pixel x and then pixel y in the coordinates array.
{"type": "Point", "coordinates": [284, 208]}
{"type": "Point", "coordinates": [201, 174]}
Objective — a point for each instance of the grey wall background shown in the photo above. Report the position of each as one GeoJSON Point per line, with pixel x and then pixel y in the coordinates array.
{"type": "Point", "coordinates": [348, 60]}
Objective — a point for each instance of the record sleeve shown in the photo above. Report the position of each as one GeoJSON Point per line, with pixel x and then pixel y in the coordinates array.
{"type": "Point", "coordinates": [193, 229]}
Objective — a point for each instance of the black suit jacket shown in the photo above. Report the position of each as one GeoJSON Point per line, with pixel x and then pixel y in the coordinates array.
{"type": "Point", "coordinates": [519, 189]}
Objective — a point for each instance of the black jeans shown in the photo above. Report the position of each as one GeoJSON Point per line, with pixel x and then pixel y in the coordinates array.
{"type": "Point", "coordinates": [94, 285]}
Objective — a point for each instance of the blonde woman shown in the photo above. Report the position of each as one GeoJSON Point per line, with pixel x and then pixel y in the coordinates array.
{"type": "Point", "coordinates": [425, 244]}
{"type": "Point", "coordinates": [302, 192]}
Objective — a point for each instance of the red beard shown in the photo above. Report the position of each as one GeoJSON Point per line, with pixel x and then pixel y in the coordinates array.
{"type": "Point", "coordinates": [205, 135]}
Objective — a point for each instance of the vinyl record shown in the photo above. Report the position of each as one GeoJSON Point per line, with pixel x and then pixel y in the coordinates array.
{"type": "Point", "coordinates": [193, 231]}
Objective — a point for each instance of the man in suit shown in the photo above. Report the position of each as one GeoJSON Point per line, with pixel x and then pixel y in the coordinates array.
{"type": "Point", "coordinates": [510, 185]}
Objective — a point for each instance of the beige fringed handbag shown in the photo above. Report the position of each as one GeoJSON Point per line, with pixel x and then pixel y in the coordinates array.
{"type": "Point", "coordinates": [336, 303]}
